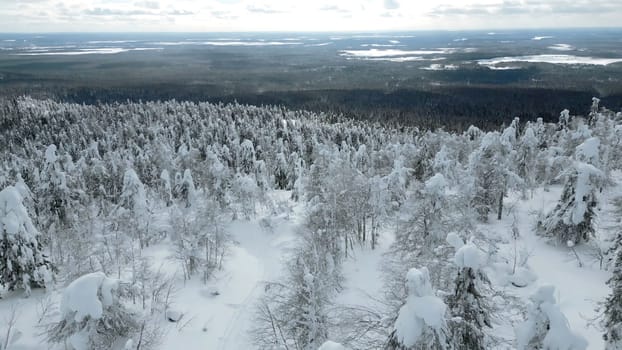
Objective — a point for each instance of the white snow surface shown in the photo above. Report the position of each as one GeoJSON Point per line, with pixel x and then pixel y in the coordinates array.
{"type": "Point", "coordinates": [102, 51]}
{"type": "Point", "coordinates": [454, 240]}
{"type": "Point", "coordinates": [331, 345]}
{"type": "Point", "coordinates": [578, 289]}
{"type": "Point", "coordinates": [538, 38]}
{"type": "Point", "coordinates": [436, 66]}
{"type": "Point", "coordinates": [388, 52]}
{"type": "Point", "coordinates": [400, 59]}
{"type": "Point", "coordinates": [562, 47]}
{"type": "Point", "coordinates": [87, 296]}
{"type": "Point", "coordinates": [222, 321]}
{"type": "Point", "coordinates": [554, 59]}
{"type": "Point", "coordinates": [504, 67]}
{"type": "Point", "coordinates": [588, 150]}
{"type": "Point", "coordinates": [468, 256]}
{"type": "Point", "coordinates": [227, 43]}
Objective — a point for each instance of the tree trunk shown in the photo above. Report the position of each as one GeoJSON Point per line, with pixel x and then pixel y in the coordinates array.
{"type": "Point", "coordinates": [373, 232]}
{"type": "Point", "coordinates": [500, 209]}
{"type": "Point", "coordinates": [345, 236]}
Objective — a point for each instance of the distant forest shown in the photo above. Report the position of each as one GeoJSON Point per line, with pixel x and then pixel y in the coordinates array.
{"type": "Point", "coordinates": [449, 107]}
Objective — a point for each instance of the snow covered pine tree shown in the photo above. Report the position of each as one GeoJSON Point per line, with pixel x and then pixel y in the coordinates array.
{"type": "Point", "coordinates": [22, 262]}
{"type": "Point", "coordinates": [613, 307]}
{"type": "Point", "coordinates": [467, 305]}
{"type": "Point", "coordinates": [420, 323]}
{"type": "Point", "coordinates": [572, 220]}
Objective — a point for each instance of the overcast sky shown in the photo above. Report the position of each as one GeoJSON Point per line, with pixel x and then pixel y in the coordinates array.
{"type": "Point", "coordinates": [297, 15]}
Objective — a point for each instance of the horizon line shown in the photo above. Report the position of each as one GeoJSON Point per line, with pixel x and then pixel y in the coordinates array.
{"type": "Point", "coordinates": [491, 29]}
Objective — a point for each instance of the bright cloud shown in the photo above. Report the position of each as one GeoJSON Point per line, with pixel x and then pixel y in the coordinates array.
{"type": "Point", "coordinates": [298, 15]}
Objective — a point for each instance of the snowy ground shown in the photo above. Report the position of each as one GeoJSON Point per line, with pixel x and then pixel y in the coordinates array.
{"type": "Point", "coordinates": [222, 321]}
{"type": "Point", "coordinates": [580, 283]}
{"type": "Point", "coordinates": [363, 273]}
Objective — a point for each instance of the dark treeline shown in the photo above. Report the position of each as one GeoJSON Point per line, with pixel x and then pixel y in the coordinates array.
{"type": "Point", "coordinates": [450, 107]}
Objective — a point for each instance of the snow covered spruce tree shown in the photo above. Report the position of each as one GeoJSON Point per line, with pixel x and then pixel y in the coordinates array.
{"type": "Point", "coordinates": [429, 217]}
{"type": "Point", "coordinates": [610, 135]}
{"type": "Point", "coordinates": [613, 306]}
{"type": "Point", "coordinates": [470, 313]}
{"type": "Point", "coordinates": [165, 190]}
{"type": "Point", "coordinates": [420, 324]}
{"type": "Point", "coordinates": [23, 264]}
{"type": "Point", "coordinates": [419, 239]}
{"type": "Point", "coordinates": [56, 204]}
{"type": "Point", "coordinates": [184, 189]}
{"type": "Point", "coordinates": [572, 220]}
{"type": "Point", "coordinates": [527, 157]}
{"type": "Point", "coordinates": [546, 326]}
{"type": "Point", "coordinates": [244, 195]}
{"type": "Point", "coordinates": [491, 171]}
{"type": "Point", "coordinates": [338, 196]}
{"type": "Point", "coordinates": [134, 207]}
{"type": "Point", "coordinates": [93, 315]}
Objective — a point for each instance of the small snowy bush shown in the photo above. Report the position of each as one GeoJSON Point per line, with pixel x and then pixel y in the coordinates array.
{"type": "Point", "coordinates": [93, 315]}
{"type": "Point", "coordinates": [546, 326]}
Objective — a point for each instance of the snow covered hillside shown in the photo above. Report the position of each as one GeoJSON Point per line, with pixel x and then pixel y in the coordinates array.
{"type": "Point", "coordinates": [197, 226]}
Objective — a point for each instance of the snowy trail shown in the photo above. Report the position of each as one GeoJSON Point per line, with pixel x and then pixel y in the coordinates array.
{"type": "Point", "coordinates": [207, 316]}
{"type": "Point", "coordinates": [364, 276]}
{"type": "Point", "coordinates": [233, 332]}
{"type": "Point", "coordinates": [256, 243]}
{"type": "Point", "coordinates": [223, 321]}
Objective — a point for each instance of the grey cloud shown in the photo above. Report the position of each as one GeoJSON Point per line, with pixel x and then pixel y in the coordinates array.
{"type": "Point", "coordinates": [262, 9]}
{"type": "Point", "coordinates": [450, 10]}
{"type": "Point", "coordinates": [226, 15]}
{"type": "Point", "coordinates": [334, 9]}
{"type": "Point", "coordinates": [154, 5]}
{"type": "Point", "coordinates": [583, 6]}
{"type": "Point", "coordinates": [98, 11]}
{"type": "Point", "coordinates": [513, 7]}
{"type": "Point", "coordinates": [179, 13]}
{"type": "Point", "coordinates": [507, 7]}
{"type": "Point", "coordinates": [391, 4]}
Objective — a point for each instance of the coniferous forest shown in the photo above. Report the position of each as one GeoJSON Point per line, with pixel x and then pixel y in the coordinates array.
{"type": "Point", "coordinates": [154, 225]}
